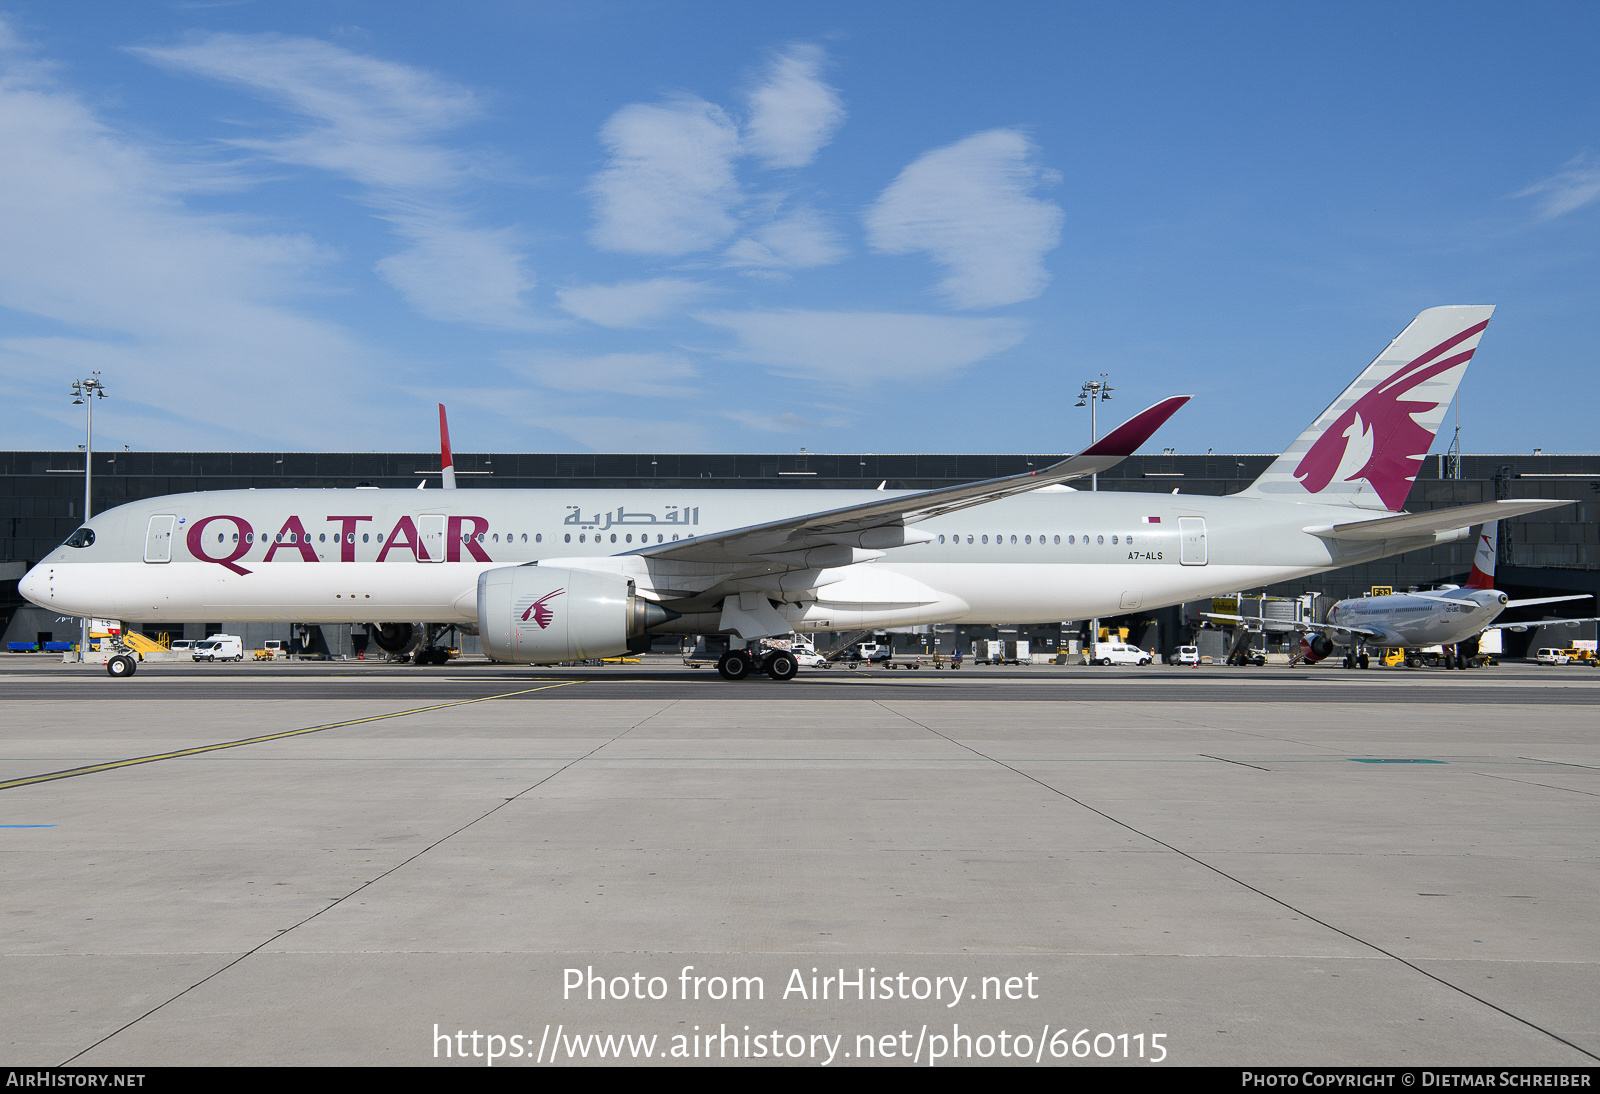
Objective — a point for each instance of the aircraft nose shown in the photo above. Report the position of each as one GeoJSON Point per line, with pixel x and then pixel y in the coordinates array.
{"type": "Point", "coordinates": [35, 586]}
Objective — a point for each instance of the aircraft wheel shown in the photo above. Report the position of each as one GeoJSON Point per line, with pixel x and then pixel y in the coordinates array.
{"type": "Point", "coordinates": [734, 665]}
{"type": "Point", "coordinates": [1364, 661]}
{"type": "Point", "coordinates": [120, 666]}
{"type": "Point", "coordinates": [782, 666]}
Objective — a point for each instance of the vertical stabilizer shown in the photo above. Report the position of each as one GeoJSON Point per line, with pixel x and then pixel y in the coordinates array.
{"type": "Point", "coordinates": [1366, 449]}
{"type": "Point", "coordinates": [1483, 562]}
{"type": "Point", "coordinates": [447, 462]}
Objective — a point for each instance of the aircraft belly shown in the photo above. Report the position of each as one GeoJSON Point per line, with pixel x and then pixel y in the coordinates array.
{"type": "Point", "coordinates": [1022, 592]}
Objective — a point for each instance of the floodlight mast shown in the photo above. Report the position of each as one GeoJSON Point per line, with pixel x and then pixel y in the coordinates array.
{"type": "Point", "coordinates": [84, 393]}
{"type": "Point", "coordinates": [1093, 394]}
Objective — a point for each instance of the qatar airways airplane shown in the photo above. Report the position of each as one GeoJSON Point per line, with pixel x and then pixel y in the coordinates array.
{"type": "Point", "coordinates": [546, 576]}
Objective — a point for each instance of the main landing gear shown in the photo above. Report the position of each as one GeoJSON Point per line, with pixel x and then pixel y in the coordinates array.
{"type": "Point", "coordinates": [741, 664]}
{"type": "Point", "coordinates": [1355, 659]}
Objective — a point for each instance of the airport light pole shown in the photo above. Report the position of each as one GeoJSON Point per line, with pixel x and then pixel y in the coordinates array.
{"type": "Point", "coordinates": [1093, 394]}
{"type": "Point", "coordinates": [84, 393]}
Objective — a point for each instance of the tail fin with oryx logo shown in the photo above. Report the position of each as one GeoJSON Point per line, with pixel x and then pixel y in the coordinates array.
{"type": "Point", "coordinates": [1366, 449]}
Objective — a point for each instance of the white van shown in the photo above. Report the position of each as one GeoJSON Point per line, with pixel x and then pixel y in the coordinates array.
{"type": "Point", "coordinates": [1118, 653]}
{"type": "Point", "coordinates": [220, 647]}
{"type": "Point", "coordinates": [1551, 657]}
{"type": "Point", "coordinates": [1187, 655]}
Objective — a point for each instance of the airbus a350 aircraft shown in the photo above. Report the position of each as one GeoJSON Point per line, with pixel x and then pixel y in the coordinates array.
{"type": "Point", "coordinates": [558, 575]}
{"type": "Point", "coordinates": [1439, 617]}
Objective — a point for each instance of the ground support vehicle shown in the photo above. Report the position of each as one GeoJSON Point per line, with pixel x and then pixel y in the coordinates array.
{"type": "Point", "coordinates": [220, 647]}
{"type": "Point", "coordinates": [1118, 653]}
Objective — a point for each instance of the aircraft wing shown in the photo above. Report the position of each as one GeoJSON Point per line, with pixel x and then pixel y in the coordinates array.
{"type": "Point", "coordinates": [1360, 632]}
{"type": "Point", "coordinates": [839, 537]}
{"type": "Point", "coordinates": [1431, 521]}
{"type": "Point", "coordinates": [1531, 624]}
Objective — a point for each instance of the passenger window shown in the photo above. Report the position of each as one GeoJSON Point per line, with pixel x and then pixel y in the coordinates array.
{"type": "Point", "coordinates": [364, 539]}
{"type": "Point", "coordinates": [986, 539]}
{"type": "Point", "coordinates": [568, 539]}
{"type": "Point", "coordinates": [1113, 541]}
{"type": "Point", "coordinates": [1100, 539]}
{"type": "Point", "coordinates": [1013, 539]}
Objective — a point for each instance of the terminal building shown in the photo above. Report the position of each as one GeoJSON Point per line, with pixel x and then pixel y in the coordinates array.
{"type": "Point", "coordinates": [1545, 554]}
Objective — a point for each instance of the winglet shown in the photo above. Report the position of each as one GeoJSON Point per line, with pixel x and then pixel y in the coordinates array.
{"type": "Point", "coordinates": [1127, 437]}
{"type": "Point", "coordinates": [447, 463]}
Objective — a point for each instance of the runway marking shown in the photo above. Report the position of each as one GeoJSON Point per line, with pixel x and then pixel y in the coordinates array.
{"type": "Point", "coordinates": [73, 772]}
{"type": "Point", "coordinates": [278, 935]}
{"type": "Point", "coordinates": [1280, 901]}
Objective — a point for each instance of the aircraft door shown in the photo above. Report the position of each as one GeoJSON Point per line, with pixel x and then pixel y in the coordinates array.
{"type": "Point", "coordinates": [158, 539]}
{"type": "Point", "coordinates": [430, 531]}
{"type": "Point", "coordinates": [1192, 539]}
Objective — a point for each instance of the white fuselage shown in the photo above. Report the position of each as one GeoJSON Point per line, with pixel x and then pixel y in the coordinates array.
{"type": "Point", "coordinates": [1443, 618]}
{"type": "Point", "coordinates": [355, 556]}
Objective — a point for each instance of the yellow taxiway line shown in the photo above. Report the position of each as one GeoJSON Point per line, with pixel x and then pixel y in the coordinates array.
{"type": "Point", "coordinates": [112, 765]}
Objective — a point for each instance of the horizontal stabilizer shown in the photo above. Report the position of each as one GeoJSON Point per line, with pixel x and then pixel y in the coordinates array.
{"type": "Point", "coordinates": [1547, 600]}
{"type": "Point", "coordinates": [1409, 525]}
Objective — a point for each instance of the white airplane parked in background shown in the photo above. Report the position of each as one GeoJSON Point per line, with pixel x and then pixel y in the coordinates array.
{"type": "Point", "coordinates": [547, 576]}
{"type": "Point", "coordinates": [1445, 616]}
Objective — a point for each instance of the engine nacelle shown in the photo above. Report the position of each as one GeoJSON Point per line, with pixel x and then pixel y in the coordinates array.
{"type": "Point", "coordinates": [542, 615]}
{"type": "Point", "coordinates": [1314, 649]}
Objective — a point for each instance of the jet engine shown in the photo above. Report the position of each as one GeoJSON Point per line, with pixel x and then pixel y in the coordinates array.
{"type": "Point", "coordinates": [542, 615]}
{"type": "Point", "coordinates": [391, 637]}
{"type": "Point", "coordinates": [1315, 648]}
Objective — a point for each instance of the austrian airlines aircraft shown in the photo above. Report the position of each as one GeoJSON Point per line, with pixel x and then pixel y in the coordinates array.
{"type": "Point", "coordinates": [1439, 617]}
{"type": "Point", "coordinates": [558, 575]}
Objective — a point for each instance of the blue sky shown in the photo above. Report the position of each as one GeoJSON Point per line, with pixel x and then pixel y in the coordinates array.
{"type": "Point", "coordinates": [886, 227]}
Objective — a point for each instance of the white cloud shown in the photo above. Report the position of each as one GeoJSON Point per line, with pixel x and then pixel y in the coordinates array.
{"type": "Point", "coordinates": [457, 273]}
{"type": "Point", "coordinates": [792, 113]}
{"type": "Point", "coordinates": [862, 348]}
{"type": "Point", "coordinates": [631, 303]}
{"type": "Point", "coordinates": [798, 242]}
{"type": "Point", "coordinates": [654, 375]}
{"type": "Point", "coordinates": [669, 186]}
{"type": "Point", "coordinates": [182, 312]}
{"type": "Point", "coordinates": [378, 123]}
{"type": "Point", "coordinates": [969, 205]}
{"type": "Point", "coordinates": [1567, 190]}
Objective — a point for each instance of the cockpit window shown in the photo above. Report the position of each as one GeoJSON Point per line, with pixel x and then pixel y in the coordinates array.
{"type": "Point", "coordinates": [81, 538]}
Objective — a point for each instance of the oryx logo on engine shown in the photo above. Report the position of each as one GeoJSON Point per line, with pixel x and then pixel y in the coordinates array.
{"type": "Point", "coordinates": [540, 612]}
